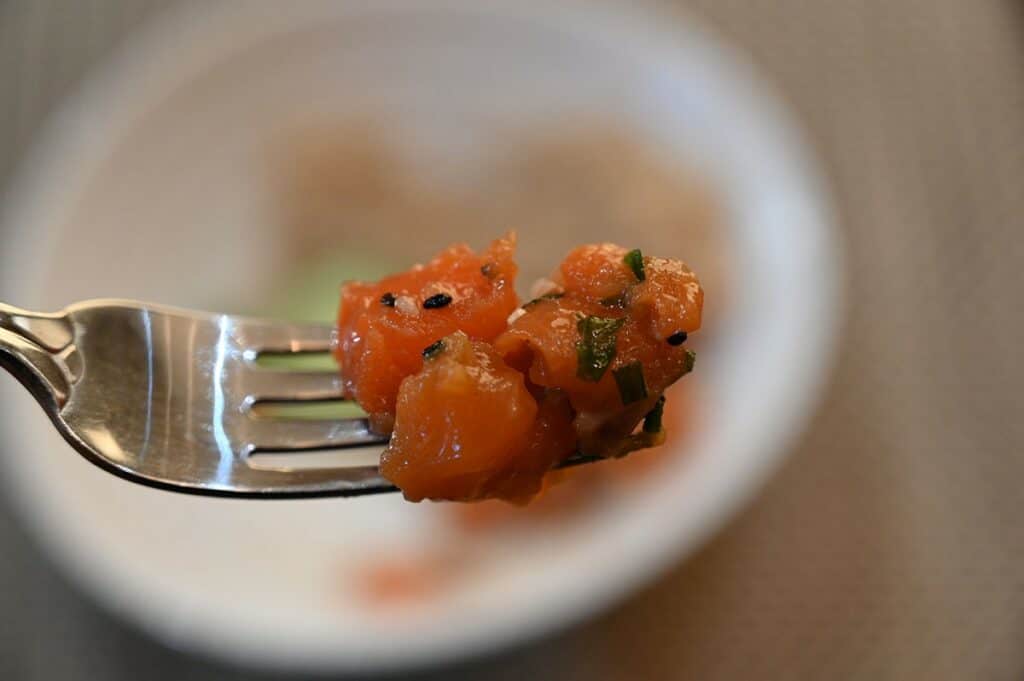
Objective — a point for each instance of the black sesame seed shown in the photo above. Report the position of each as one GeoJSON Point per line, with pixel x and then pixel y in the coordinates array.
{"type": "Point", "coordinates": [489, 270]}
{"type": "Point", "coordinates": [618, 300]}
{"type": "Point", "coordinates": [433, 350]}
{"type": "Point", "coordinates": [388, 299]}
{"type": "Point", "coordinates": [678, 338]}
{"type": "Point", "coordinates": [436, 301]}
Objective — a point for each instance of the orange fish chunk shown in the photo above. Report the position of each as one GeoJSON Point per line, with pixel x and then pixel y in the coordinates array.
{"type": "Point", "coordinates": [467, 427]}
{"type": "Point", "coordinates": [508, 394]}
{"type": "Point", "coordinates": [384, 326]}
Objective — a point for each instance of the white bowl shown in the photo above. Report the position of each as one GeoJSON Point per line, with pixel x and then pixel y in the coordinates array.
{"type": "Point", "coordinates": [124, 198]}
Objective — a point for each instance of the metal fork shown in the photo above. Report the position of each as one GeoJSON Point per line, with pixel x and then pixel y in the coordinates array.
{"type": "Point", "coordinates": [165, 397]}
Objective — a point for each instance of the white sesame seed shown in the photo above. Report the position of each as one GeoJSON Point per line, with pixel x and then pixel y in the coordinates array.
{"type": "Point", "coordinates": [407, 306]}
{"type": "Point", "coordinates": [543, 286]}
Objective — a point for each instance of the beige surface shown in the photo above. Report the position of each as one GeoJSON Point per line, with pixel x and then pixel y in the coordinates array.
{"type": "Point", "coordinates": [890, 546]}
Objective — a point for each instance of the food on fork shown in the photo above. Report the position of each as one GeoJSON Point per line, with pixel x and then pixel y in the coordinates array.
{"type": "Point", "coordinates": [468, 427]}
{"type": "Point", "coordinates": [385, 325]}
{"type": "Point", "coordinates": [609, 336]}
{"type": "Point", "coordinates": [483, 398]}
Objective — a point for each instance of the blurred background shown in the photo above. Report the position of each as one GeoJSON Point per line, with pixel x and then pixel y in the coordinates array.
{"type": "Point", "coordinates": [889, 543]}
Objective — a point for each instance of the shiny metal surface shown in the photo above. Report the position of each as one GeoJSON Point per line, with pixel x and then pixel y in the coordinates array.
{"type": "Point", "coordinates": [164, 397]}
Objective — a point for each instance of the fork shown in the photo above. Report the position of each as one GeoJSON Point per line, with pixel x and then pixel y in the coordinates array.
{"type": "Point", "coordinates": [165, 397]}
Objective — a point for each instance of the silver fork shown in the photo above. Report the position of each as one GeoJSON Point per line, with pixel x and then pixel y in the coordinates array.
{"type": "Point", "coordinates": [165, 397]}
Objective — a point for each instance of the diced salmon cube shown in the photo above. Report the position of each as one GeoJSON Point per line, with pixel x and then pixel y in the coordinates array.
{"type": "Point", "coordinates": [467, 428]}
{"type": "Point", "coordinates": [384, 326]}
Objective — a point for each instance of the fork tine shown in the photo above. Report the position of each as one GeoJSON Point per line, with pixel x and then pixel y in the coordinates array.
{"type": "Point", "coordinates": [282, 436]}
{"type": "Point", "coordinates": [356, 480]}
{"type": "Point", "coordinates": [263, 385]}
{"type": "Point", "coordinates": [283, 337]}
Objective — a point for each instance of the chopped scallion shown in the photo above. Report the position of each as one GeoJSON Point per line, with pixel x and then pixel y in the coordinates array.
{"type": "Point", "coordinates": [555, 295]}
{"type": "Point", "coordinates": [596, 348]}
{"type": "Point", "coordinates": [630, 379]}
{"type": "Point", "coordinates": [689, 361]}
{"type": "Point", "coordinates": [635, 260]}
{"type": "Point", "coordinates": [652, 422]}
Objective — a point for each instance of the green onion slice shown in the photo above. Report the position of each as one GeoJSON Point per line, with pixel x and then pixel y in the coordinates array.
{"type": "Point", "coordinates": [635, 260]}
{"type": "Point", "coordinates": [652, 422]}
{"type": "Point", "coordinates": [547, 296]}
{"type": "Point", "coordinates": [596, 348]}
{"type": "Point", "coordinates": [689, 361]}
{"type": "Point", "coordinates": [630, 379]}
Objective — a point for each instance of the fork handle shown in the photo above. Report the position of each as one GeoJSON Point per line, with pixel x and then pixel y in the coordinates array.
{"type": "Point", "coordinates": [28, 341]}
{"type": "Point", "coordinates": [50, 331]}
